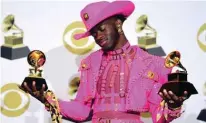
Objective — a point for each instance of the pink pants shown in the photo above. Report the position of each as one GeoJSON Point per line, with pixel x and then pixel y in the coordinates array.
{"type": "Point", "coordinates": [115, 117]}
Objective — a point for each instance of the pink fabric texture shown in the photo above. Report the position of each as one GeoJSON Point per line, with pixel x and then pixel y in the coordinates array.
{"type": "Point", "coordinates": [140, 90]}
{"type": "Point", "coordinates": [112, 80]}
{"type": "Point", "coordinates": [96, 12]}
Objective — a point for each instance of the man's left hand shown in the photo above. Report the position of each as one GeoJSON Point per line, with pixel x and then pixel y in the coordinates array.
{"type": "Point", "coordinates": [172, 98]}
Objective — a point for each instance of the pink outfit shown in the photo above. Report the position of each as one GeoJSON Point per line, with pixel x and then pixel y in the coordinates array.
{"type": "Point", "coordinates": [118, 86]}
{"type": "Point", "coordinates": [121, 84]}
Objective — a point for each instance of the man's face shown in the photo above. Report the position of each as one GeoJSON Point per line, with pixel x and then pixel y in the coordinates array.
{"type": "Point", "coordinates": [106, 34]}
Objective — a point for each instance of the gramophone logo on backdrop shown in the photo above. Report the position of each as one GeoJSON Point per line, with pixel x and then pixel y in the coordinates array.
{"type": "Point", "coordinates": [204, 88]}
{"type": "Point", "coordinates": [14, 101]}
{"type": "Point", "coordinates": [202, 113]}
{"type": "Point", "coordinates": [201, 37]}
{"type": "Point", "coordinates": [147, 40]}
{"type": "Point", "coordinates": [13, 47]}
{"type": "Point", "coordinates": [78, 47]}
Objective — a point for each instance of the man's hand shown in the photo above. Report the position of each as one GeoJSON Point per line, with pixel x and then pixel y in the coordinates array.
{"type": "Point", "coordinates": [171, 98]}
{"type": "Point", "coordinates": [33, 91]}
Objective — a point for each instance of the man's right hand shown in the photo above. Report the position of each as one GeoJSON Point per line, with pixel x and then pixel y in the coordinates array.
{"type": "Point", "coordinates": [33, 91]}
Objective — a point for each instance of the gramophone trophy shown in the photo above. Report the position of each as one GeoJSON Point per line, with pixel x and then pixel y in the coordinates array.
{"type": "Point", "coordinates": [36, 59]}
{"type": "Point", "coordinates": [74, 85]}
{"type": "Point", "coordinates": [13, 47]}
{"type": "Point", "coordinates": [147, 41]}
{"type": "Point", "coordinates": [202, 115]}
{"type": "Point", "coordinates": [177, 81]}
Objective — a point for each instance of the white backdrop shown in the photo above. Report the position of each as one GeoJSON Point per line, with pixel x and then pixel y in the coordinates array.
{"type": "Point", "coordinates": [44, 22]}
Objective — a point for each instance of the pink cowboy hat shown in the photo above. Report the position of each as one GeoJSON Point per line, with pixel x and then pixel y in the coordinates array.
{"type": "Point", "coordinates": [96, 12]}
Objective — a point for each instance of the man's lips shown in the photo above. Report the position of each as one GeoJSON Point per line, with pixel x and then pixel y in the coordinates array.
{"type": "Point", "coordinates": [102, 43]}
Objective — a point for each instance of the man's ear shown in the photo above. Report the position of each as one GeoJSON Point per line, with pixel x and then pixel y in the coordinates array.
{"type": "Point", "coordinates": [118, 23]}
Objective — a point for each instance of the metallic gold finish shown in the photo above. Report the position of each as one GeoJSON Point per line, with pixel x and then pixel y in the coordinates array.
{"type": "Point", "coordinates": [86, 16]}
{"type": "Point", "coordinates": [147, 37]}
{"type": "Point", "coordinates": [142, 24]}
{"type": "Point", "coordinates": [36, 59]}
{"type": "Point", "coordinates": [150, 74]}
{"type": "Point", "coordinates": [74, 85]}
{"type": "Point", "coordinates": [13, 35]}
{"type": "Point", "coordinates": [204, 89]}
{"type": "Point", "coordinates": [13, 47]}
{"type": "Point", "coordinates": [172, 59]}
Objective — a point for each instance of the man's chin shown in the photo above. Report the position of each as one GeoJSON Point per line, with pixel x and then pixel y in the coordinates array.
{"type": "Point", "coordinates": [107, 49]}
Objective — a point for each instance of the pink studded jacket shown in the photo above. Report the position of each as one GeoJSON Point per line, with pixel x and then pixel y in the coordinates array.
{"type": "Point", "coordinates": [118, 86]}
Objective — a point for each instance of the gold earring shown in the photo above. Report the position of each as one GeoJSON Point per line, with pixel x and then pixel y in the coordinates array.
{"type": "Point", "coordinates": [120, 31]}
{"type": "Point", "coordinates": [118, 25]}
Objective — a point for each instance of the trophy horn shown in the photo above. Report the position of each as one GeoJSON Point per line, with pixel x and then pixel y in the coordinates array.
{"type": "Point", "coordinates": [173, 59]}
{"type": "Point", "coordinates": [74, 85]}
{"type": "Point", "coordinates": [204, 89]}
{"type": "Point", "coordinates": [8, 23]}
{"type": "Point", "coordinates": [142, 23]}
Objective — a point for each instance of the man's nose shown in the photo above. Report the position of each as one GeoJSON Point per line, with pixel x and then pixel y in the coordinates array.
{"type": "Point", "coordinates": [100, 35]}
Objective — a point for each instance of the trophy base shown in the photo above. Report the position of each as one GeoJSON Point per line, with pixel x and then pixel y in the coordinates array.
{"type": "Point", "coordinates": [39, 82]}
{"type": "Point", "coordinates": [202, 115]}
{"type": "Point", "coordinates": [154, 50]}
{"type": "Point", "coordinates": [14, 53]}
{"type": "Point", "coordinates": [178, 88]}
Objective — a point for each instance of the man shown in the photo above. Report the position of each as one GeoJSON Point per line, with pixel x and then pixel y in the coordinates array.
{"type": "Point", "coordinates": [119, 81]}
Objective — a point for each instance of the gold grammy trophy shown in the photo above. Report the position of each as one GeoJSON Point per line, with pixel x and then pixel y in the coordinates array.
{"type": "Point", "coordinates": [202, 115]}
{"type": "Point", "coordinates": [147, 41]}
{"type": "Point", "coordinates": [36, 59]}
{"type": "Point", "coordinates": [177, 81]}
{"type": "Point", "coordinates": [13, 47]}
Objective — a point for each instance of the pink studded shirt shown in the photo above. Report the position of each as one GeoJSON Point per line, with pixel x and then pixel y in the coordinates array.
{"type": "Point", "coordinates": [113, 78]}
{"type": "Point", "coordinates": [112, 85]}
{"type": "Point", "coordinates": [118, 86]}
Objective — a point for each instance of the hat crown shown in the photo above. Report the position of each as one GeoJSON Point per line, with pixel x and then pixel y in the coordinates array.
{"type": "Point", "coordinates": [91, 10]}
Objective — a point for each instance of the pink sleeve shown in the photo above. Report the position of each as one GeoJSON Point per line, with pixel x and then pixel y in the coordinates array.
{"type": "Point", "coordinates": [158, 107]}
{"type": "Point", "coordinates": [75, 110]}
{"type": "Point", "coordinates": [79, 108]}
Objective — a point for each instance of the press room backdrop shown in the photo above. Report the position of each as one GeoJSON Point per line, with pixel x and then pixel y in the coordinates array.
{"type": "Point", "coordinates": [49, 25]}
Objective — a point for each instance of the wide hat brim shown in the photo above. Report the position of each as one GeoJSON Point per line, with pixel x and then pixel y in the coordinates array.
{"type": "Point", "coordinates": [124, 8]}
